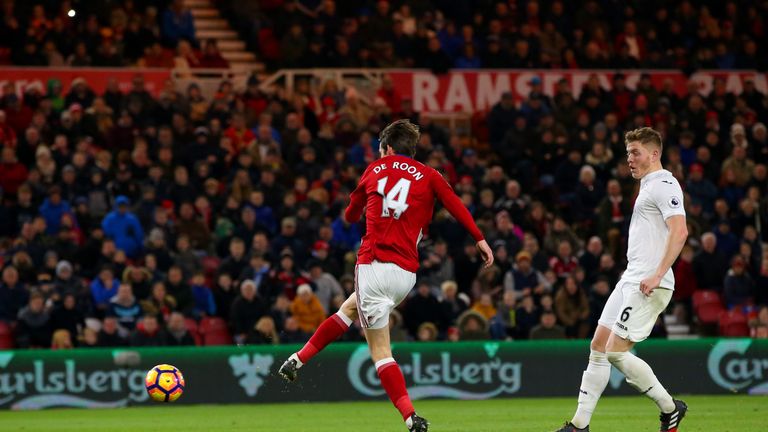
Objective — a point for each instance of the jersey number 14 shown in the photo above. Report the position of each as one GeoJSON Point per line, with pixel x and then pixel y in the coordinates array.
{"type": "Point", "coordinates": [393, 202]}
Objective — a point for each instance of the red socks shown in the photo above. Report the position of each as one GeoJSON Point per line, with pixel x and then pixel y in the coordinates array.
{"type": "Point", "coordinates": [331, 329]}
{"type": "Point", "coordinates": [394, 383]}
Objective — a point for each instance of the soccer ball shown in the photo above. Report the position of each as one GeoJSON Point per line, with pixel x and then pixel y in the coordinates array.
{"type": "Point", "coordinates": [164, 383]}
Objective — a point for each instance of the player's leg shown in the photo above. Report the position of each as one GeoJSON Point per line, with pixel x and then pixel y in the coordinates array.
{"type": "Point", "coordinates": [392, 377]}
{"type": "Point", "coordinates": [635, 324]}
{"type": "Point", "coordinates": [381, 287]}
{"type": "Point", "coordinates": [593, 381]}
{"type": "Point", "coordinates": [595, 378]}
{"type": "Point", "coordinates": [329, 330]}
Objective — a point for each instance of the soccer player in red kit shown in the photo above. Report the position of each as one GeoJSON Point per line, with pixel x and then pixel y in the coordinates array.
{"type": "Point", "coordinates": [398, 195]}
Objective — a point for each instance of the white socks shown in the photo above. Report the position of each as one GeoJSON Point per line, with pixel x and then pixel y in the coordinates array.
{"type": "Point", "coordinates": [344, 318]}
{"type": "Point", "coordinates": [593, 382]}
{"type": "Point", "coordinates": [295, 356]}
{"type": "Point", "coordinates": [640, 376]}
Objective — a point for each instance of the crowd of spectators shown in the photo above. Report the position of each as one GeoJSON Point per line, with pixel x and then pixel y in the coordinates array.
{"type": "Point", "coordinates": [156, 34]}
{"type": "Point", "coordinates": [124, 216]}
{"type": "Point", "coordinates": [439, 35]}
{"type": "Point", "coordinates": [679, 34]}
{"type": "Point", "coordinates": [119, 210]}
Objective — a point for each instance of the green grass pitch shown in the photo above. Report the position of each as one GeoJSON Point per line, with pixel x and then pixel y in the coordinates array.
{"type": "Point", "coordinates": [615, 414]}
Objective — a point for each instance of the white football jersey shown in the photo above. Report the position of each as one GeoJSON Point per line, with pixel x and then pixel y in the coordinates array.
{"type": "Point", "coordinates": [660, 197]}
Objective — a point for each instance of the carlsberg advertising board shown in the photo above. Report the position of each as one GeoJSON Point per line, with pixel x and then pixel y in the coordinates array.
{"type": "Point", "coordinates": [469, 370]}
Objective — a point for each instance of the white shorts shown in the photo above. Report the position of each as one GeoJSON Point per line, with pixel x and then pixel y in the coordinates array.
{"type": "Point", "coordinates": [379, 288]}
{"type": "Point", "coordinates": [630, 314]}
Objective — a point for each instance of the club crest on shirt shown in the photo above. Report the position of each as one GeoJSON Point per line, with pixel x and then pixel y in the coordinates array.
{"type": "Point", "coordinates": [674, 202]}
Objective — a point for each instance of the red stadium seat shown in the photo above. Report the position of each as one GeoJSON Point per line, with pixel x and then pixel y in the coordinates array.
{"type": "Point", "coordinates": [194, 331]}
{"type": "Point", "coordinates": [705, 297]}
{"type": "Point", "coordinates": [733, 323]}
{"type": "Point", "coordinates": [709, 313]}
{"type": "Point", "coordinates": [214, 331]}
{"type": "Point", "coordinates": [6, 336]}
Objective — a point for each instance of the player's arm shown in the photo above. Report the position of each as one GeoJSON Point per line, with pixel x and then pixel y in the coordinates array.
{"type": "Point", "coordinates": [456, 208]}
{"type": "Point", "coordinates": [669, 199]}
{"type": "Point", "coordinates": [356, 201]}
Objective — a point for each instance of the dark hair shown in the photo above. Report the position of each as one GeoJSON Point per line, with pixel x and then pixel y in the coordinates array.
{"type": "Point", "coordinates": [645, 135]}
{"type": "Point", "coordinates": [401, 136]}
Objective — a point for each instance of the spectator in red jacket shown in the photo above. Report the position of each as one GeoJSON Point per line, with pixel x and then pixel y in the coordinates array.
{"type": "Point", "coordinates": [12, 173]}
{"type": "Point", "coordinates": [211, 57]}
{"type": "Point", "coordinates": [389, 94]}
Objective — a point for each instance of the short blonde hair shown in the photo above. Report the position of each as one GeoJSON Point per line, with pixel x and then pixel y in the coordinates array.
{"type": "Point", "coordinates": [645, 135]}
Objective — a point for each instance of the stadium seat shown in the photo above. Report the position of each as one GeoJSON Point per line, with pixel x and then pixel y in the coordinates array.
{"type": "Point", "coordinates": [709, 313]}
{"type": "Point", "coordinates": [193, 330]}
{"type": "Point", "coordinates": [6, 336]}
{"type": "Point", "coordinates": [214, 331]}
{"type": "Point", "coordinates": [705, 297]}
{"type": "Point", "coordinates": [733, 323]}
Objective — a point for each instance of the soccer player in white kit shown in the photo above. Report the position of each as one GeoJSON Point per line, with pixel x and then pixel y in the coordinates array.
{"type": "Point", "coordinates": [657, 233]}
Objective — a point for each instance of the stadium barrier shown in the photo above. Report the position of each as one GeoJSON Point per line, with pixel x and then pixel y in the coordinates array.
{"type": "Point", "coordinates": [93, 378]}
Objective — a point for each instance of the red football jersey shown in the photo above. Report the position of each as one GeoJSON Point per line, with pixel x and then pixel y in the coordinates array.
{"type": "Point", "coordinates": [398, 194]}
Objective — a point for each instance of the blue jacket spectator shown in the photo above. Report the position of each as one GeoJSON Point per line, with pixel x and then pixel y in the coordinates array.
{"type": "Point", "coordinates": [178, 23]}
{"type": "Point", "coordinates": [205, 305]}
{"type": "Point", "coordinates": [346, 236]}
{"type": "Point", "coordinates": [13, 296]}
{"type": "Point", "coordinates": [124, 228]}
{"type": "Point", "coordinates": [52, 209]}
{"type": "Point", "coordinates": [104, 287]}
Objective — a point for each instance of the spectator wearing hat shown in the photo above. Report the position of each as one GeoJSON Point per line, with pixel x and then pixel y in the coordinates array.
{"type": "Point", "coordinates": [307, 310]}
{"type": "Point", "coordinates": [321, 253]}
{"type": "Point", "coordinates": [65, 278]}
{"type": "Point", "coordinates": [124, 228]}
{"type": "Point", "coordinates": [524, 280]}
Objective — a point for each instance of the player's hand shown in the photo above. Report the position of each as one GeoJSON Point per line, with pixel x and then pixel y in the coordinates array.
{"type": "Point", "coordinates": [647, 285]}
{"type": "Point", "coordinates": [485, 252]}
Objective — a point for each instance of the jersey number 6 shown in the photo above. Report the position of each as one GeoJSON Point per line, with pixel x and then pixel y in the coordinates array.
{"type": "Point", "coordinates": [394, 199]}
{"type": "Point", "coordinates": [625, 313]}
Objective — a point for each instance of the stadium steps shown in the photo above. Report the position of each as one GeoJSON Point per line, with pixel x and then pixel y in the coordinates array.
{"type": "Point", "coordinates": [209, 24]}
{"type": "Point", "coordinates": [238, 56]}
{"type": "Point", "coordinates": [675, 328]}
{"type": "Point", "coordinates": [231, 45]}
{"type": "Point", "coordinates": [216, 34]}
{"type": "Point", "coordinates": [197, 3]}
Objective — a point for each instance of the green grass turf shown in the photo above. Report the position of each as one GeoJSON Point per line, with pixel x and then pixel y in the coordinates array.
{"type": "Point", "coordinates": [615, 414]}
